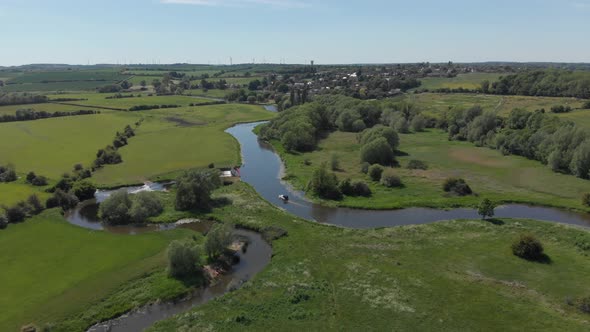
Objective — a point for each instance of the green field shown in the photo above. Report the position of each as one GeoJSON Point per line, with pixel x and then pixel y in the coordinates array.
{"type": "Point", "coordinates": [68, 75]}
{"type": "Point", "coordinates": [469, 81]}
{"type": "Point", "coordinates": [435, 103]}
{"type": "Point", "coordinates": [164, 145]}
{"type": "Point", "coordinates": [47, 107]}
{"type": "Point", "coordinates": [456, 276]}
{"type": "Point", "coordinates": [213, 93]}
{"type": "Point", "coordinates": [488, 172]}
{"type": "Point", "coordinates": [53, 146]}
{"type": "Point", "coordinates": [99, 99]}
{"type": "Point", "coordinates": [51, 269]}
{"type": "Point", "coordinates": [14, 192]}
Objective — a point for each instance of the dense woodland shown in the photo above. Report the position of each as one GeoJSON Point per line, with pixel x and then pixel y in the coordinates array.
{"type": "Point", "coordinates": [550, 83]}
{"type": "Point", "coordinates": [21, 99]}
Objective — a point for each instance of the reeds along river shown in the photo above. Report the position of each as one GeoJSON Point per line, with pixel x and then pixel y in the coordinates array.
{"type": "Point", "coordinates": [262, 168]}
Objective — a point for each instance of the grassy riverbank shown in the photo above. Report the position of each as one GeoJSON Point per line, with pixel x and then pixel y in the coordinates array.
{"type": "Point", "coordinates": [488, 172]}
{"type": "Point", "coordinates": [52, 270]}
{"type": "Point", "coordinates": [456, 275]}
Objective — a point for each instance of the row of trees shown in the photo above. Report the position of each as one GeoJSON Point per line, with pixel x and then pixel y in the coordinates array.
{"type": "Point", "coordinates": [110, 155]}
{"type": "Point", "coordinates": [548, 82]}
{"type": "Point", "coordinates": [31, 114]}
{"type": "Point", "coordinates": [21, 98]}
{"type": "Point", "coordinates": [152, 107]}
{"type": "Point", "coordinates": [560, 144]}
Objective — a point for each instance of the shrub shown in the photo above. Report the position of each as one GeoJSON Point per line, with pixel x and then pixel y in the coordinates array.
{"type": "Point", "coordinates": [39, 181]}
{"type": "Point", "coordinates": [183, 259]}
{"type": "Point", "coordinates": [16, 213]}
{"type": "Point", "coordinates": [218, 239]}
{"type": "Point", "coordinates": [360, 188]}
{"type": "Point", "coordinates": [584, 304]}
{"type": "Point", "coordinates": [377, 151]}
{"type": "Point", "coordinates": [31, 176]}
{"type": "Point", "coordinates": [390, 179]}
{"type": "Point", "coordinates": [3, 221]}
{"type": "Point", "coordinates": [7, 174]}
{"type": "Point", "coordinates": [586, 105]}
{"type": "Point", "coordinates": [62, 199]}
{"type": "Point", "coordinates": [324, 184]}
{"type": "Point", "coordinates": [84, 190]}
{"type": "Point", "coordinates": [211, 165]}
{"type": "Point", "coordinates": [345, 187]}
{"type": "Point", "coordinates": [365, 167]}
{"type": "Point", "coordinates": [334, 162]}
{"type": "Point", "coordinates": [64, 184]}
{"type": "Point", "coordinates": [145, 204]}
{"type": "Point", "coordinates": [35, 204]}
{"type": "Point", "coordinates": [417, 164]}
{"type": "Point", "coordinates": [586, 199]}
{"type": "Point", "coordinates": [418, 123]}
{"type": "Point", "coordinates": [457, 186]}
{"type": "Point", "coordinates": [375, 172]}
{"type": "Point", "coordinates": [528, 247]}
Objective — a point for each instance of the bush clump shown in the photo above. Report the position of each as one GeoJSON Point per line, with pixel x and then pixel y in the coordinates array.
{"type": "Point", "coordinates": [586, 199]}
{"type": "Point", "coordinates": [417, 164]}
{"type": "Point", "coordinates": [218, 239]}
{"type": "Point", "coordinates": [375, 172]}
{"type": "Point", "coordinates": [584, 304]}
{"type": "Point", "coordinates": [183, 259]}
{"type": "Point", "coordinates": [357, 188]}
{"type": "Point", "coordinates": [390, 179]}
{"type": "Point", "coordinates": [122, 208]}
{"type": "Point", "coordinates": [84, 190]}
{"type": "Point", "coordinates": [7, 174]}
{"type": "Point", "coordinates": [528, 247]}
{"type": "Point", "coordinates": [377, 151]}
{"type": "Point", "coordinates": [365, 167]}
{"type": "Point", "coordinates": [324, 184]}
{"type": "Point", "coordinates": [457, 186]}
{"type": "Point", "coordinates": [3, 221]}
{"type": "Point", "coordinates": [62, 199]}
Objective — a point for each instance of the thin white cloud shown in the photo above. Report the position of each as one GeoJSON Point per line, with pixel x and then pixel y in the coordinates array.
{"type": "Point", "coordinates": [581, 5]}
{"type": "Point", "coordinates": [240, 3]}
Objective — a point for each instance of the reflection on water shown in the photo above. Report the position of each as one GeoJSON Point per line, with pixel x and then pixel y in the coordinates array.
{"type": "Point", "coordinates": [263, 170]}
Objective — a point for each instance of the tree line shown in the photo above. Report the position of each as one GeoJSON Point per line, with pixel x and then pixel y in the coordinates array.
{"type": "Point", "coordinates": [31, 114]}
{"type": "Point", "coordinates": [549, 82]}
{"type": "Point", "coordinates": [21, 98]}
{"type": "Point", "coordinates": [560, 144]}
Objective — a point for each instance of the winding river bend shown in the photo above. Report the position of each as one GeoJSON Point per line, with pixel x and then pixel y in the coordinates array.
{"type": "Point", "coordinates": [263, 170]}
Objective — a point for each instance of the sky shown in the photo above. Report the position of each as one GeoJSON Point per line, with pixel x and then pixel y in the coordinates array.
{"type": "Point", "coordinates": [292, 31]}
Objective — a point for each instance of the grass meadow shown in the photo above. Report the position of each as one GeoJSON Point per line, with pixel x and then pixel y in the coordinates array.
{"type": "Point", "coordinates": [466, 81]}
{"type": "Point", "coordinates": [488, 172]}
{"type": "Point", "coordinates": [52, 270]}
{"type": "Point", "coordinates": [403, 278]}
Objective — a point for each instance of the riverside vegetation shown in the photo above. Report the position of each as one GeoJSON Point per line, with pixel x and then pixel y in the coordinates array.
{"type": "Point", "coordinates": [425, 149]}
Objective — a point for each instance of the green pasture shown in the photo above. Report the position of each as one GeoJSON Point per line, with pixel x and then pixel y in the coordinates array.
{"type": "Point", "coordinates": [53, 146]}
{"type": "Point", "coordinates": [469, 81]}
{"type": "Point", "coordinates": [456, 276]}
{"type": "Point", "coordinates": [47, 107]}
{"type": "Point", "coordinates": [488, 172]}
{"type": "Point", "coordinates": [14, 192]}
{"type": "Point", "coordinates": [171, 140]}
{"type": "Point", "coordinates": [99, 99]}
{"type": "Point", "coordinates": [51, 269]}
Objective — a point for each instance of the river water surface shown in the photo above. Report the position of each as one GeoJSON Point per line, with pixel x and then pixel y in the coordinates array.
{"type": "Point", "coordinates": [263, 169]}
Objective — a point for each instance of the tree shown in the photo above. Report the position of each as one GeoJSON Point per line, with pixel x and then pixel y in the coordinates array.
{"type": "Point", "coordinates": [486, 209]}
{"type": "Point", "coordinates": [376, 132]}
{"type": "Point", "coordinates": [115, 209]}
{"type": "Point", "coordinates": [334, 162]}
{"type": "Point", "coordinates": [16, 213]}
{"type": "Point", "coordinates": [528, 247]}
{"type": "Point", "coordinates": [586, 199]}
{"type": "Point", "coordinates": [3, 221]}
{"type": "Point", "coordinates": [457, 186]}
{"type": "Point", "coordinates": [485, 86]}
{"type": "Point", "coordinates": [377, 151]}
{"type": "Point", "coordinates": [218, 239]}
{"type": "Point", "coordinates": [324, 183]}
{"type": "Point", "coordinates": [84, 190]}
{"type": "Point", "coordinates": [143, 83]}
{"type": "Point", "coordinates": [195, 189]}
{"type": "Point", "coordinates": [126, 85]}
{"type": "Point", "coordinates": [418, 123]}
{"type": "Point", "coordinates": [145, 204]}
{"type": "Point", "coordinates": [62, 199]}
{"type": "Point", "coordinates": [183, 259]}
